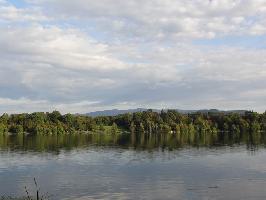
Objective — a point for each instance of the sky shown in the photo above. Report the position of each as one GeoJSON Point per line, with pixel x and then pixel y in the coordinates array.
{"type": "Point", "coordinates": [86, 55]}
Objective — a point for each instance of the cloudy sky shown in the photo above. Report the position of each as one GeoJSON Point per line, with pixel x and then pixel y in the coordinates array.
{"type": "Point", "coordinates": [87, 55]}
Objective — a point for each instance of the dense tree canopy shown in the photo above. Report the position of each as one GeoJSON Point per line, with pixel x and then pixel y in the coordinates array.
{"type": "Point", "coordinates": [148, 122]}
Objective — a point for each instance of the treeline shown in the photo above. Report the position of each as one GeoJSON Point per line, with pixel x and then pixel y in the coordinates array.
{"type": "Point", "coordinates": [148, 122]}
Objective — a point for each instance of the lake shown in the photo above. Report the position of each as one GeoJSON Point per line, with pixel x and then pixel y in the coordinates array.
{"type": "Point", "coordinates": [134, 166]}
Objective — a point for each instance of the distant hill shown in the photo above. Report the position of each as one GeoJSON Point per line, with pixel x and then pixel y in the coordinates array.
{"type": "Point", "coordinates": [115, 112]}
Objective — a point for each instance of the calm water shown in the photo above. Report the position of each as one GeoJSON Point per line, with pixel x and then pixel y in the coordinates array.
{"type": "Point", "coordinates": [134, 167]}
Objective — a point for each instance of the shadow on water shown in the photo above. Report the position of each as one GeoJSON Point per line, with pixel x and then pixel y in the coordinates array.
{"type": "Point", "coordinates": [138, 141]}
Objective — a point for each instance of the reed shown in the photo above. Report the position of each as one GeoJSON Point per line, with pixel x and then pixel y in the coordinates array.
{"type": "Point", "coordinates": [35, 196]}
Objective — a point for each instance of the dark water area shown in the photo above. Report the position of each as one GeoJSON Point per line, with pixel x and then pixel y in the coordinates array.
{"type": "Point", "coordinates": [135, 166]}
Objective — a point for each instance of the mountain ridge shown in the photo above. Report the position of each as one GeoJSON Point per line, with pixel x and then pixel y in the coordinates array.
{"type": "Point", "coordinates": [115, 112]}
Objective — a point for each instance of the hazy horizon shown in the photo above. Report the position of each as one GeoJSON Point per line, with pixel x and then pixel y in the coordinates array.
{"type": "Point", "coordinates": [130, 109]}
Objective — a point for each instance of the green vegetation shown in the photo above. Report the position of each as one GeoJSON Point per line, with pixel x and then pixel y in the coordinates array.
{"type": "Point", "coordinates": [148, 122]}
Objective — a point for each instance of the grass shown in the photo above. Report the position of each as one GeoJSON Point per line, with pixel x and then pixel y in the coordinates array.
{"type": "Point", "coordinates": [28, 196]}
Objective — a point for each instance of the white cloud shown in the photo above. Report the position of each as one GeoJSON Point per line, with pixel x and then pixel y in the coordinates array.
{"type": "Point", "coordinates": [21, 101]}
{"type": "Point", "coordinates": [27, 105]}
{"type": "Point", "coordinates": [93, 55]}
{"type": "Point", "coordinates": [11, 13]}
{"type": "Point", "coordinates": [164, 18]}
{"type": "Point", "coordinates": [54, 46]}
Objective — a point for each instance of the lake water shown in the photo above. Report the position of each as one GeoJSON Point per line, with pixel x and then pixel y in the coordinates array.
{"type": "Point", "coordinates": [107, 167]}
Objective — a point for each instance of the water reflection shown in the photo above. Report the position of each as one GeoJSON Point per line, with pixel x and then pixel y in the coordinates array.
{"type": "Point", "coordinates": [102, 166]}
{"type": "Point", "coordinates": [54, 143]}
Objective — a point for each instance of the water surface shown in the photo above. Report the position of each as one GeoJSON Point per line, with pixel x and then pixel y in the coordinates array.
{"type": "Point", "coordinates": [126, 167]}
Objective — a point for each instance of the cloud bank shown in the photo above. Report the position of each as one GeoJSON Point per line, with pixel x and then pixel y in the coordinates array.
{"type": "Point", "coordinates": [84, 55]}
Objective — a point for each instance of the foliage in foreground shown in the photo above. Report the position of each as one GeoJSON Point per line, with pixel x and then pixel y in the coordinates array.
{"type": "Point", "coordinates": [145, 122]}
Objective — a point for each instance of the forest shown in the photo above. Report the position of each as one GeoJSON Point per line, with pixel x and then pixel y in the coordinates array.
{"type": "Point", "coordinates": [149, 122]}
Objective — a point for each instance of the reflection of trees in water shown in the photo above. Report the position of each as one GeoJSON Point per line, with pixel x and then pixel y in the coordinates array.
{"type": "Point", "coordinates": [138, 140]}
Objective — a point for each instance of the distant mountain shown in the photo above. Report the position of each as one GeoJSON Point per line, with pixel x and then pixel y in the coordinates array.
{"type": "Point", "coordinates": [115, 112]}
{"type": "Point", "coordinates": [241, 112]}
